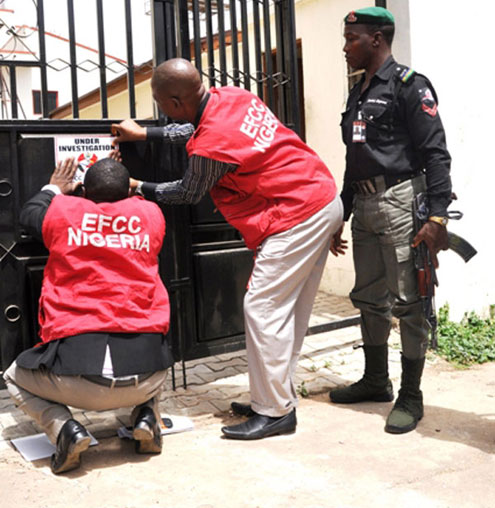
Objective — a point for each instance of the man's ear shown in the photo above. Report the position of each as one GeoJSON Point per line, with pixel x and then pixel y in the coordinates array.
{"type": "Point", "coordinates": [176, 103]}
{"type": "Point", "coordinates": [83, 191]}
{"type": "Point", "coordinates": [377, 39]}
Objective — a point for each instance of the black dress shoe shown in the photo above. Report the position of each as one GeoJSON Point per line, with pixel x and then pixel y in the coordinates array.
{"type": "Point", "coordinates": [147, 432]}
{"type": "Point", "coordinates": [242, 409]}
{"type": "Point", "coordinates": [260, 426]}
{"type": "Point", "coordinates": [72, 440]}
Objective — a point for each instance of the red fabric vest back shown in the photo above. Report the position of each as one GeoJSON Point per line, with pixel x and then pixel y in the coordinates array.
{"type": "Point", "coordinates": [280, 181]}
{"type": "Point", "coordinates": [102, 271]}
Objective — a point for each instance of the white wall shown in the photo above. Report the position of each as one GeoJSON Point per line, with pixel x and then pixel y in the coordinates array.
{"type": "Point", "coordinates": [454, 51]}
{"type": "Point", "coordinates": [319, 25]}
{"type": "Point", "coordinates": [436, 39]}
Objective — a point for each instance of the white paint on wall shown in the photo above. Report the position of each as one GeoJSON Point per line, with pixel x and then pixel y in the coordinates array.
{"type": "Point", "coordinates": [437, 40]}
{"type": "Point", "coordinates": [319, 25]}
{"type": "Point", "coordinates": [453, 51]}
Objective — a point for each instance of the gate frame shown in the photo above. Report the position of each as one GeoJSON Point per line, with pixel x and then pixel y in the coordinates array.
{"type": "Point", "coordinates": [172, 39]}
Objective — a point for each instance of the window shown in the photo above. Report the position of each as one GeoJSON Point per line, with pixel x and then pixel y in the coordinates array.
{"type": "Point", "coordinates": [52, 102]}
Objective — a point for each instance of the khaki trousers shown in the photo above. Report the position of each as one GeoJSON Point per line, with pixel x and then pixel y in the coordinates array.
{"type": "Point", "coordinates": [45, 396]}
{"type": "Point", "coordinates": [386, 281]}
{"type": "Point", "coordinates": [278, 303]}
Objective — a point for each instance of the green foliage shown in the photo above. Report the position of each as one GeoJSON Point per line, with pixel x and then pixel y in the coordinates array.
{"type": "Point", "coordinates": [302, 390]}
{"type": "Point", "coordinates": [468, 342]}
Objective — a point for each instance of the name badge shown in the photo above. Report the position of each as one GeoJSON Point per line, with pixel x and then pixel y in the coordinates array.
{"type": "Point", "coordinates": [359, 130]}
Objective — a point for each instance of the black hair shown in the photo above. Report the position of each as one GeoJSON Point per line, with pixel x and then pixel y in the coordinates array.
{"type": "Point", "coordinates": [107, 181]}
{"type": "Point", "coordinates": [388, 31]}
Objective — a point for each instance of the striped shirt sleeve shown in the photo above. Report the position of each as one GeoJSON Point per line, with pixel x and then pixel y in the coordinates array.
{"type": "Point", "coordinates": [201, 175]}
{"type": "Point", "coordinates": [174, 133]}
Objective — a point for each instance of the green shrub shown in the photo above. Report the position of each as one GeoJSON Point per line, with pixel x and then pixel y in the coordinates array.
{"type": "Point", "coordinates": [468, 342]}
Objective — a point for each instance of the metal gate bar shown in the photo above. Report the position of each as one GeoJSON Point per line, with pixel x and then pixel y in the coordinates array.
{"type": "Point", "coordinates": [222, 45]}
{"type": "Point", "coordinates": [268, 53]}
{"type": "Point", "coordinates": [101, 55]}
{"type": "Point", "coordinates": [257, 47]}
{"type": "Point", "coordinates": [44, 81]}
{"type": "Point", "coordinates": [13, 90]}
{"type": "Point", "coordinates": [130, 60]}
{"type": "Point", "coordinates": [245, 45]}
{"type": "Point", "coordinates": [197, 36]}
{"type": "Point", "coordinates": [73, 63]}
{"type": "Point", "coordinates": [234, 43]}
{"type": "Point", "coordinates": [209, 36]}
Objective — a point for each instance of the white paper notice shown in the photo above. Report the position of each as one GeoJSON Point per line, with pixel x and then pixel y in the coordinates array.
{"type": "Point", "coordinates": [38, 446]}
{"type": "Point", "coordinates": [86, 148]}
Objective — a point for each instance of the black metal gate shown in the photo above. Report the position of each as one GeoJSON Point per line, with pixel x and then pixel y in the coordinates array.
{"type": "Point", "coordinates": [204, 263]}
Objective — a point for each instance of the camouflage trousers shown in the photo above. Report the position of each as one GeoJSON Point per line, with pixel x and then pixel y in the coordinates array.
{"type": "Point", "coordinates": [386, 282]}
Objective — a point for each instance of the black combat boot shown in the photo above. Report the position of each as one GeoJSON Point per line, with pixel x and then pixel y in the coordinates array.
{"type": "Point", "coordinates": [408, 408]}
{"type": "Point", "coordinates": [374, 385]}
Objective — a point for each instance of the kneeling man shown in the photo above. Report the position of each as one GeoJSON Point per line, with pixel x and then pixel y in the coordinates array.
{"type": "Point", "coordinates": [103, 310]}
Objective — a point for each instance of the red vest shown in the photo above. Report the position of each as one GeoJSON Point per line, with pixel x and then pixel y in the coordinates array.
{"type": "Point", "coordinates": [280, 181]}
{"type": "Point", "coordinates": [102, 271]}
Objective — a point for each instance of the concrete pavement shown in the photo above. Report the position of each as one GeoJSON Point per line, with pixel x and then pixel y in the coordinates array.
{"type": "Point", "coordinates": [213, 382]}
{"type": "Point", "coordinates": [339, 457]}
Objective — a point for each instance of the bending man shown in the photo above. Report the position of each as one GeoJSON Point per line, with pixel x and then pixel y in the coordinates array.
{"type": "Point", "coordinates": [281, 197]}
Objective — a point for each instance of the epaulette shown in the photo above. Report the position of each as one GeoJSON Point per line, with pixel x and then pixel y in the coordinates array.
{"type": "Point", "coordinates": [405, 74]}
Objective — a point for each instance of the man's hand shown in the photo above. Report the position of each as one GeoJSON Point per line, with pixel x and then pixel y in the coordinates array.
{"type": "Point", "coordinates": [128, 130]}
{"type": "Point", "coordinates": [435, 237]}
{"type": "Point", "coordinates": [337, 244]}
{"type": "Point", "coordinates": [63, 175]}
{"type": "Point", "coordinates": [115, 155]}
{"type": "Point", "coordinates": [133, 183]}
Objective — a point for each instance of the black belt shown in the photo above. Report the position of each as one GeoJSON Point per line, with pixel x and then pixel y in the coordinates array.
{"type": "Point", "coordinates": [115, 382]}
{"type": "Point", "coordinates": [379, 183]}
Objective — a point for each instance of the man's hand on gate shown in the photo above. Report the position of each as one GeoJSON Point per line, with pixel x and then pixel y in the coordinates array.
{"type": "Point", "coordinates": [435, 237]}
{"type": "Point", "coordinates": [63, 175]}
{"type": "Point", "coordinates": [115, 155]}
{"type": "Point", "coordinates": [337, 244]}
{"type": "Point", "coordinates": [128, 130]}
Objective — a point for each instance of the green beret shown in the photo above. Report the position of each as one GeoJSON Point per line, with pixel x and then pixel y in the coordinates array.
{"type": "Point", "coordinates": [370, 16]}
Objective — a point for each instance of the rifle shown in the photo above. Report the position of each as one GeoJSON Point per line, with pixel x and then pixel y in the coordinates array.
{"type": "Point", "coordinates": [427, 277]}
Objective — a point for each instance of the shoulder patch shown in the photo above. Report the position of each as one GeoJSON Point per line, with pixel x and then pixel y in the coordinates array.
{"type": "Point", "coordinates": [427, 84]}
{"type": "Point", "coordinates": [428, 103]}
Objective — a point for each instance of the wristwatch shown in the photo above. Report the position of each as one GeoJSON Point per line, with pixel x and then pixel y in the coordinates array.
{"type": "Point", "coordinates": [443, 221]}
